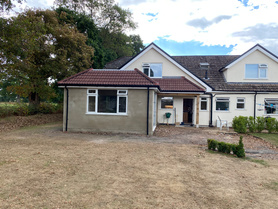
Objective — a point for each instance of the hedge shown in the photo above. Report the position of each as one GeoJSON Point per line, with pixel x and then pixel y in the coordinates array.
{"type": "Point", "coordinates": [242, 123]}
{"type": "Point", "coordinates": [237, 149]}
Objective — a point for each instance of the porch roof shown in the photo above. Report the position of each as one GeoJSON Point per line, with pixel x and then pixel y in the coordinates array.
{"type": "Point", "coordinates": [177, 84]}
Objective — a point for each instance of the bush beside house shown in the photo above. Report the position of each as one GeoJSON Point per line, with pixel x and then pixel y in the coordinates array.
{"type": "Point", "coordinates": [241, 124]}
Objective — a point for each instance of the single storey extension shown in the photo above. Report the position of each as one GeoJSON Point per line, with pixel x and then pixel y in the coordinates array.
{"type": "Point", "coordinates": [134, 94]}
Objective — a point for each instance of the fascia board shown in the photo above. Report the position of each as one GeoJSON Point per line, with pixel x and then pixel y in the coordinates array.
{"type": "Point", "coordinates": [250, 52]}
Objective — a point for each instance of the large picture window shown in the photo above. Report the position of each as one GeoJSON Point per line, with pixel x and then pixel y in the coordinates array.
{"type": "Point", "coordinates": [222, 103]}
{"type": "Point", "coordinates": [107, 101]}
{"type": "Point", "coordinates": [256, 71]}
{"type": "Point", "coordinates": [153, 70]}
{"type": "Point", "coordinates": [271, 106]}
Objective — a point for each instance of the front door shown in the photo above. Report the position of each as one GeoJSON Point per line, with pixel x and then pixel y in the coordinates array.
{"type": "Point", "coordinates": [187, 110]}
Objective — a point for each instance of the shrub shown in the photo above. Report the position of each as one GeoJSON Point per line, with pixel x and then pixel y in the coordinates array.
{"type": "Point", "coordinates": [212, 144]}
{"type": "Point", "coordinates": [276, 125]}
{"type": "Point", "coordinates": [240, 124]}
{"type": "Point", "coordinates": [22, 110]}
{"type": "Point", "coordinates": [270, 124]}
{"type": "Point", "coordinates": [251, 124]}
{"type": "Point", "coordinates": [240, 152]}
{"type": "Point", "coordinates": [221, 147]}
{"type": "Point", "coordinates": [260, 124]}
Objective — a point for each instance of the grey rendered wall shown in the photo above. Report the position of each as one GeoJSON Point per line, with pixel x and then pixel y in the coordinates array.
{"type": "Point", "coordinates": [134, 122]}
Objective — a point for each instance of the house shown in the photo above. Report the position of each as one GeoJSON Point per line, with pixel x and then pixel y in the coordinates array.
{"type": "Point", "coordinates": [133, 94]}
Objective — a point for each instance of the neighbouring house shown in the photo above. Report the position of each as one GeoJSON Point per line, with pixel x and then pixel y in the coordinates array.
{"type": "Point", "coordinates": [133, 94]}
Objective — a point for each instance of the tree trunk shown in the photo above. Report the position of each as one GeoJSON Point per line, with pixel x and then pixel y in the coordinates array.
{"type": "Point", "coordinates": [34, 99]}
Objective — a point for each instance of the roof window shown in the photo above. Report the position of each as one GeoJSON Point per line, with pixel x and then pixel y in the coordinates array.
{"type": "Point", "coordinates": [204, 66]}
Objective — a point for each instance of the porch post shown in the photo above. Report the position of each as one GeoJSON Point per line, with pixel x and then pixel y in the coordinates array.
{"type": "Point", "coordinates": [198, 111]}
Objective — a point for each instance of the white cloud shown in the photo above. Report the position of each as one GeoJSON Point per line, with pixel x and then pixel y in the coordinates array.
{"type": "Point", "coordinates": [214, 22]}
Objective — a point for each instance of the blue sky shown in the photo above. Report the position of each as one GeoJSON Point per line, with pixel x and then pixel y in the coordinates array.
{"type": "Point", "coordinates": [200, 27]}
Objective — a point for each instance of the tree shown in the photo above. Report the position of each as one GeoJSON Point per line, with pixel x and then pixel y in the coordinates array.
{"type": "Point", "coordinates": [36, 47]}
{"type": "Point", "coordinates": [6, 5]}
{"type": "Point", "coordinates": [105, 13]}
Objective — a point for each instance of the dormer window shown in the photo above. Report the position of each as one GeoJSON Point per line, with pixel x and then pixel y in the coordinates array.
{"type": "Point", "coordinates": [256, 71]}
{"type": "Point", "coordinates": [153, 70]}
{"type": "Point", "coordinates": [204, 66]}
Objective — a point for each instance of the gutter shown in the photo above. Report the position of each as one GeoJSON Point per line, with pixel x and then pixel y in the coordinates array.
{"type": "Point", "coordinates": [148, 107]}
{"type": "Point", "coordinates": [255, 101]}
{"type": "Point", "coordinates": [211, 109]}
{"type": "Point", "coordinates": [67, 109]}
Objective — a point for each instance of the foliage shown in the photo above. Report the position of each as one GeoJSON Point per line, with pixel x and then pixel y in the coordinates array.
{"type": "Point", "coordinates": [108, 45]}
{"type": "Point", "coordinates": [251, 124]}
{"type": "Point", "coordinates": [270, 124]}
{"type": "Point", "coordinates": [240, 124]}
{"type": "Point", "coordinates": [5, 95]}
{"type": "Point", "coordinates": [240, 152]}
{"type": "Point", "coordinates": [36, 47]}
{"type": "Point", "coordinates": [260, 124]}
{"type": "Point", "coordinates": [6, 5]}
{"type": "Point", "coordinates": [224, 147]}
{"type": "Point", "coordinates": [105, 13]}
{"type": "Point", "coordinates": [23, 109]}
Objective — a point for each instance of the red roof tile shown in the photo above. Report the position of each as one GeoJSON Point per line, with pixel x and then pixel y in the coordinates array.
{"type": "Point", "coordinates": [130, 78]}
{"type": "Point", "coordinates": [174, 84]}
{"type": "Point", "coordinates": [109, 78]}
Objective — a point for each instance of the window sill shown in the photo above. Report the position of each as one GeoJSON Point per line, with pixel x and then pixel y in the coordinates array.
{"type": "Point", "coordinates": [116, 114]}
{"type": "Point", "coordinates": [203, 110]}
{"type": "Point", "coordinates": [227, 111]}
{"type": "Point", "coordinates": [241, 109]}
{"type": "Point", "coordinates": [255, 78]}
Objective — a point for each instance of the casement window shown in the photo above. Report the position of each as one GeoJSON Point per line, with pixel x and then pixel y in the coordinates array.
{"type": "Point", "coordinates": [271, 106]}
{"type": "Point", "coordinates": [106, 101]}
{"type": "Point", "coordinates": [240, 103]}
{"type": "Point", "coordinates": [222, 103]}
{"type": "Point", "coordinates": [153, 70]}
{"type": "Point", "coordinates": [167, 102]}
{"type": "Point", "coordinates": [204, 103]}
{"type": "Point", "coordinates": [256, 71]}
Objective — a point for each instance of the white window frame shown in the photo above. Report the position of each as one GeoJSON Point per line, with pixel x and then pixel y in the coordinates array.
{"type": "Point", "coordinates": [203, 99]}
{"type": "Point", "coordinates": [239, 102]}
{"type": "Point", "coordinates": [148, 66]}
{"type": "Point", "coordinates": [222, 99]}
{"type": "Point", "coordinates": [120, 93]}
{"type": "Point", "coordinates": [260, 67]}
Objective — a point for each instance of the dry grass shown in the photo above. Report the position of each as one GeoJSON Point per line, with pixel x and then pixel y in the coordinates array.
{"type": "Point", "coordinates": [45, 168]}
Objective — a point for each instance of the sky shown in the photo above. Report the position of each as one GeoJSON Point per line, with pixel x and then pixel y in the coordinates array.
{"type": "Point", "coordinates": [201, 27]}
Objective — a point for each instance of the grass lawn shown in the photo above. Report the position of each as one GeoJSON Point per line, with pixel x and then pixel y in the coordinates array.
{"type": "Point", "coordinates": [41, 167]}
{"type": "Point", "coordinates": [272, 138]}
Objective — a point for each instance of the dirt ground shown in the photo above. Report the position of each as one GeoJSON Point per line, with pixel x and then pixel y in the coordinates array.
{"type": "Point", "coordinates": [42, 167]}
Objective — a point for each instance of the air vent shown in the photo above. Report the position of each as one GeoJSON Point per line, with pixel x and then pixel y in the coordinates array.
{"type": "Point", "coordinates": [204, 66]}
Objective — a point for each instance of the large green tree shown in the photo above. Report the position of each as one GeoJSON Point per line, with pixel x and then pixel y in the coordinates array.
{"type": "Point", "coordinates": [35, 47]}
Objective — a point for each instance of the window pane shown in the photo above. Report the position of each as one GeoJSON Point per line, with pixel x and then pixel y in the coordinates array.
{"type": "Point", "coordinates": [240, 106]}
{"type": "Point", "coordinates": [107, 101]}
{"type": "Point", "coordinates": [263, 73]}
{"type": "Point", "coordinates": [240, 100]}
{"type": "Point", "coordinates": [122, 104]}
{"type": "Point", "coordinates": [251, 71]}
{"type": "Point", "coordinates": [222, 105]}
{"type": "Point", "coordinates": [167, 102]}
{"type": "Point", "coordinates": [91, 91]}
{"type": "Point", "coordinates": [92, 104]}
{"type": "Point", "coordinates": [146, 71]}
{"type": "Point", "coordinates": [203, 105]}
{"type": "Point", "coordinates": [156, 70]}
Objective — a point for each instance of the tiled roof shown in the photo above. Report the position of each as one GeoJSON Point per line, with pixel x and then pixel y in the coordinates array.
{"type": "Point", "coordinates": [92, 77]}
{"type": "Point", "coordinates": [216, 78]}
{"type": "Point", "coordinates": [177, 84]}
